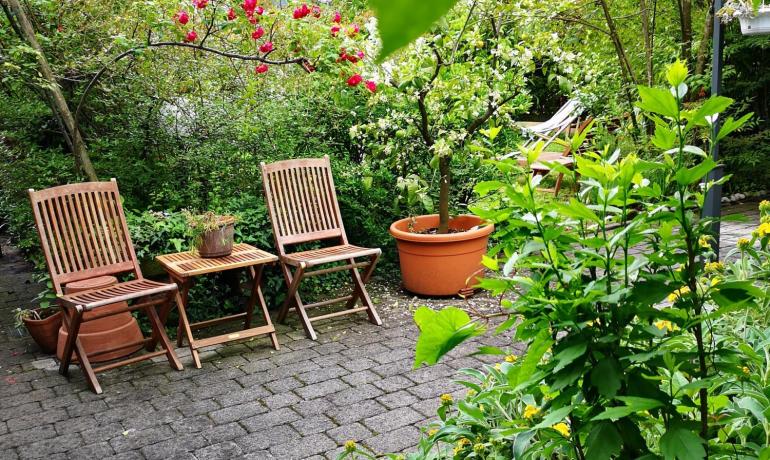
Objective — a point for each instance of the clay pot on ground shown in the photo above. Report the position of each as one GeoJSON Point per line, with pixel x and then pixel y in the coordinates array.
{"type": "Point", "coordinates": [103, 333]}
{"type": "Point", "coordinates": [440, 264]}
{"type": "Point", "coordinates": [44, 331]}
{"type": "Point", "coordinates": [219, 242]}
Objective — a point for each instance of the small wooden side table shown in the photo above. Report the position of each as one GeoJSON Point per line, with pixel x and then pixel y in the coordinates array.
{"type": "Point", "coordinates": [183, 267]}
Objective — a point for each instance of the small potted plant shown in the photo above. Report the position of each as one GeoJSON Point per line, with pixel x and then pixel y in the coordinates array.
{"type": "Point", "coordinates": [211, 234]}
{"type": "Point", "coordinates": [754, 15]}
{"type": "Point", "coordinates": [42, 323]}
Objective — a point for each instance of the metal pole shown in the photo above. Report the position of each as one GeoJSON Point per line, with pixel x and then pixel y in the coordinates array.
{"type": "Point", "coordinates": [713, 203]}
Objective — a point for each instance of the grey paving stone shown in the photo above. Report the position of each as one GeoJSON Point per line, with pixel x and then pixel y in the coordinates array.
{"type": "Point", "coordinates": [326, 373]}
{"type": "Point", "coordinates": [355, 394]}
{"type": "Point", "coordinates": [360, 378]}
{"type": "Point", "coordinates": [398, 399]}
{"type": "Point", "coordinates": [191, 409]}
{"type": "Point", "coordinates": [394, 383]}
{"type": "Point", "coordinates": [393, 419]}
{"type": "Point", "coordinates": [260, 441]}
{"type": "Point", "coordinates": [304, 447]}
{"type": "Point", "coordinates": [237, 412]}
{"type": "Point", "coordinates": [10, 440]}
{"type": "Point", "coordinates": [312, 407]}
{"type": "Point", "coordinates": [41, 418]}
{"type": "Point", "coordinates": [176, 447]}
{"type": "Point", "coordinates": [344, 415]}
{"type": "Point", "coordinates": [280, 400]}
{"type": "Point", "coordinates": [394, 441]}
{"type": "Point", "coordinates": [283, 385]}
{"type": "Point", "coordinates": [133, 439]}
{"type": "Point", "coordinates": [46, 447]}
{"type": "Point", "coordinates": [322, 389]}
{"type": "Point", "coordinates": [221, 451]}
{"type": "Point", "coordinates": [194, 424]}
{"type": "Point", "coordinates": [272, 418]}
{"type": "Point", "coordinates": [223, 433]}
{"type": "Point", "coordinates": [92, 451]}
{"type": "Point", "coordinates": [314, 424]}
{"type": "Point", "coordinates": [352, 432]}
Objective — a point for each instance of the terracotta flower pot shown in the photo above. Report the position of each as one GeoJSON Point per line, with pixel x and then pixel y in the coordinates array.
{"type": "Point", "coordinates": [44, 331]}
{"type": "Point", "coordinates": [108, 332]}
{"type": "Point", "coordinates": [219, 242]}
{"type": "Point", "coordinates": [445, 264]}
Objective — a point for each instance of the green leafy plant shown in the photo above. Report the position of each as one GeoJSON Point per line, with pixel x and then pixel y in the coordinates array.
{"type": "Point", "coordinates": [198, 225]}
{"type": "Point", "coordinates": [611, 295]}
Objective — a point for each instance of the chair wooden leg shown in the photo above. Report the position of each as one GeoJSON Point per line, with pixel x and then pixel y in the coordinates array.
{"type": "Point", "coordinates": [367, 274]}
{"type": "Point", "coordinates": [292, 297]}
{"type": "Point", "coordinates": [159, 332]}
{"type": "Point", "coordinates": [358, 282]}
{"type": "Point", "coordinates": [73, 327]}
{"type": "Point", "coordinates": [256, 296]}
{"type": "Point", "coordinates": [557, 187]}
{"type": "Point", "coordinates": [85, 366]}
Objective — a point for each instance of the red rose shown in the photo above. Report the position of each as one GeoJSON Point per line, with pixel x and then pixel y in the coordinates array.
{"type": "Point", "coordinates": [259, 10]}
{"type": "Point", "coordinates": [262, 68]}
{"type": "Point", "coordinates": [360, 54]}
{"type": "Point", "coordinates": [335, 30]}
{"type": "Point", "coordinates": [266, 47]}
{"type": "Point", "coordinates": [316, 11]}
{"type": "Point", "coordinates": [354, 80]}
{"type": "Point", "coordinates": [200, 4]}
{"type": "Point", "coordinates": [191, 36]}
{"type": "Point", "coordinates": [337, 17]}
{"type": "Point", "coordinates": [297, 14]}
{"type": "Point", "coordinates": [253, 19]}
{"type": "Point", "coordinates": [371, 86]}
{"type": "Point", "coordinates": [353, 30]}
{"type": "Point", "coordinates": [258, 33]}
{"type": "Point", "coordinates": [231, 14]}
{"type": "Point", "coordinates": [182, 17]}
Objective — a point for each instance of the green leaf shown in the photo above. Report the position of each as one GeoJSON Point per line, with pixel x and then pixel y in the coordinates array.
{"type": "Point", "coordinates": [603, 442]}
{"type": "Point", "coordinates": [679, 443]}
{"type": "Point", "coordinates": [687, 176]}
{"type": "Point", "coordinates": [401, 21]}
{"type": "Point", "coordinates": [440, 332]}
{"type": "Point", "coordinates": [553, 418]}
{"type": "Point", "coordinates": [578, 210]}
{"type": "Point", "coordinates": [633, 405]}
{"type": "Point", "coordinates": [568, 355]}
{"type": "Point", "coordinates": [535, 352]}
{"type": "Point", "coordinates": [657, 100]}
{"type": "Point", "coordinates": [606, 376]}
{"type": "Point", "coordinates": [731, 125]}
{"type": "Point", "coordinates": [485, 350]}
{"type": "Point", "coordinates": [676, 73]}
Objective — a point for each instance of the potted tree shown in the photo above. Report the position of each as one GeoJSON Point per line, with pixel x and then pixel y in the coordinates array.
{"type": "Point", "coordinates": [42, 324]}
{"type": "Point", "coordinates": [439, 94]}
{"type": "Point", "coordinates": [754, 15]}
{"type": "Point", "coordinates": [211, 234]}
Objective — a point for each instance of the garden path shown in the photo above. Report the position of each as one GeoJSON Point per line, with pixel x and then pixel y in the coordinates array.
{"type": "Point", "coordinates": [248, 401]}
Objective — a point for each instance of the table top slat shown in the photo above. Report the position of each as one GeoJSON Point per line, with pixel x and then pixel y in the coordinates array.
{"type": "Point", "coordinates": [189, 263]}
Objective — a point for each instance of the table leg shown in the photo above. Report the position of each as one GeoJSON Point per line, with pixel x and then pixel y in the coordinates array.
{"type": "Point", "coordinates": [256, 295]}
{"type": "Point", "coordinates": [184, 290]}
{"type": "Point", "coordinates": [184, 323]}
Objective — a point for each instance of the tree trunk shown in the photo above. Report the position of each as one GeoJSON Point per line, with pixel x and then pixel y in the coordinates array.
{"type": "Point", "coordinates": [445, 172]}
{"type": "Point", "coordinates": [56, 100]}
{"type": "Point", "coordinates": [703, 49]}
{"type": "Point", "coordinates": [685, 21]}
{"type": "Point", "coordinates": [647, 37]}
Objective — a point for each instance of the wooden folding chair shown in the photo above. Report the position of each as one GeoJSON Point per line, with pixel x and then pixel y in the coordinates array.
{"type": "Point", "coordinates": [84, 235]}
{"type": "Point", "coordinates": [303, 208]}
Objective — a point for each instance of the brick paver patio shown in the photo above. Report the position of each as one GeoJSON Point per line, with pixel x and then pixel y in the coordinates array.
{"type": "Point", "coordinates": [248, 401]}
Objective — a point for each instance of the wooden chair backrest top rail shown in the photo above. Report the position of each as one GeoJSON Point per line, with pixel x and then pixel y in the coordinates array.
{"type": "Point", "coordinates": [302, 201]}
{"type": "Point", "coordinates": [83, 232]}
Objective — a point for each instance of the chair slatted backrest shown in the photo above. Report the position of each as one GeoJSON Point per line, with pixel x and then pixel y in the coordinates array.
{"type": "Point", "coordinates": [83, 232]}
{"type": "Point", "coordinates": [302, 201]}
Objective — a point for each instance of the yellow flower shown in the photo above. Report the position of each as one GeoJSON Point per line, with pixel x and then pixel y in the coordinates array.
{"type": "Point", "coordinates": [743, 243]}
{"type": "Point", "coordinates": [763, 230]}
{"type": "Point", "coordinates": [350, 446]}
{"type": "Point", "coordinates": [679, 268]}
{"type": "Point", "coordinates": [462, 442]}
{"type": "Point", "coordinates": [562, 428]}
{"type": "Point", "coordinates": [715, 281]}
{"type": "Point", "coordinates": [530, 411]}
{"type": "Point", "coordinates": [746, 370]}
{"type": "Point", "coordinates": [705, 242]}
{"type": "Point", "coordinates": [665, 325]}
{"type": "Point", "coordinates": [498, 367]}
{"type": "Point", "coordinates": [764, 205]}
{"type": "Point", "coordinates": [432, 432]}
{"type": "Point", "coordinates": [470, 393]}
{"type": "Point", "coordinates": [714, 267]}
{"type": "Point", "coordinates": [511, 358]}
{"type": "Point", "coordinates": [446, 398]}
{"type": "Point", "coordinates": [684, 290]}
{"type": "Point", "coordinates": [479, 448]}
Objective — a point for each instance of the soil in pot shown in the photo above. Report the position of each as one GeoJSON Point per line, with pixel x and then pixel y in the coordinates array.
{"type": "Point", "coordinates": [44, 331]}
{"type": "Point", "coordinates": [218, 242]}
{"type": "Point", "coordinates": [103, 333]}
{"type": "Point", "coordinates": [435, 264]}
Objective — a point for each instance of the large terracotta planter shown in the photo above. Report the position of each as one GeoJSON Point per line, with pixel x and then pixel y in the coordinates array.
{"type": "Point", "coordinates": [44, 331]}
{"type": "Point", "coordinates": [104, 333]}
{"type": "Point", "coordinates": [440, 265]}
